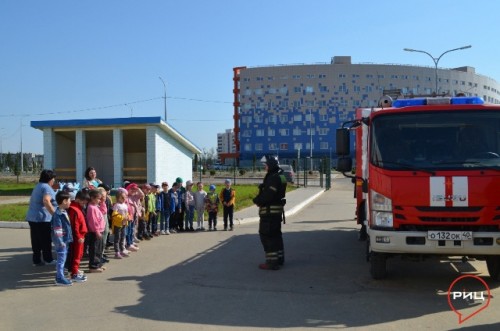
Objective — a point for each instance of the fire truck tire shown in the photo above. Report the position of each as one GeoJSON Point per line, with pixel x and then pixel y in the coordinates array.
{"type": "Point", "coordinates": [378, 265]}
{"type": "Point", "coordinates": [493, 264]}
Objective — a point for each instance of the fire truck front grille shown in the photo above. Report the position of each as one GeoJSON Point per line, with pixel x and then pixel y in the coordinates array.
{"type": "Point", "coordinates": [448, 209]}
{"type": "Point", "coordinates": [449, 219]}
{"type": "Point", "coordinates": [429, 227]}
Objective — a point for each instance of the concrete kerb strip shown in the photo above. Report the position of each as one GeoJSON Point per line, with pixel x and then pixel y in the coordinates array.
{"type": "Point", "coordinates": [15, 225]}
{"type": "Point", "coordinates": [289, 212]}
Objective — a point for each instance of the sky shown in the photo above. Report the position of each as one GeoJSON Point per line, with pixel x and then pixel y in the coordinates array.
{"type": "Point", "coordinates": [65, 59]}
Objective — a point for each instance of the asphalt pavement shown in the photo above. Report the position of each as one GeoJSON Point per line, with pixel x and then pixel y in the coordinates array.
{"type": "Point", "coordinates": [210, 281]}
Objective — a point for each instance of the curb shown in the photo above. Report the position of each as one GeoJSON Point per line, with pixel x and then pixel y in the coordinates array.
{"type": "Point", "coordinates": [15, 225]}
{"type": "Point", "coordinates": [289, 212]}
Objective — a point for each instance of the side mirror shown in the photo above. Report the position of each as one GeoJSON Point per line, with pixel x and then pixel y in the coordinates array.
{"type": "Point", "coordinates": [343, 142]}
{"type": "Point", "coordinates": [344, 164]}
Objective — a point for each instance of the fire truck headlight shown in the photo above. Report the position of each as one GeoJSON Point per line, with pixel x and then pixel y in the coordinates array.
{"type": "Point", "coordinates": [382, 219]}
{"type": "Point", "coordinates": [380, 202]}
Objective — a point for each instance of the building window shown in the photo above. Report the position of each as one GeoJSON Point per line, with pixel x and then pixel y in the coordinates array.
{"type": "Point", "coordinates": [248, 147]}
{"type": "Point", "coordinates": [296, 104]}
{"type": "Point", "coordinates": [272, 90]}
{"type": "Point", "coordinates": [323, 145]}
{"type": "Point", "coordinates": [258, 147]}
{"type": "Point", "coordinates": [259, 132]}
{"type": "Point", "coordinates": [246, 133]}
{"type": "Point", "coordinates": [284, 90]}
{"type": "Point", "coordinates": [341, 75]}
{"type": "Point", "coordinates": [321, 76]}
{"type": "Point", "coordinates": [309, 89]}
{"type": "Point", "coordinates": [284, 146]}
{"type": "Point", "coordinates": [310, 132]}
{"type": "Point", "coordinates": [310, 103]}
{"type": "Point", "coordinates": [323, 117]}
{"type": "Point", "coordinates": [272, 118]}
{"type": "Point", "coordinates": [246, 119]}
{"type": "Point", "coordinates": [323, 88]}
{"type": "Point", "coordinates": [259, 118]}
{"type": "Point", "coordinates": [323, 131]}
{"type": "Point", "coordinates": [284, 103]}
{"type": "Point", "coordinates": [297, 117]}
{"type": "Point", "coordinates": [297, 89]}
{"type": "Point", "coordinates": [271, 132]}
{"type": "Point", "coordinates": [297, 146]}
{"type": "Point", "coordinates": [258, 91]}
{"type": "Point", "coordinates": [273, 146]}
{"type": "Point", "coordinates": [297, 132]}
{"type": "Point", "coordinates": [295, 76]}
{"type": "Point", "coordinates": [283, 118]}
{"type": "Point", "coordinates": [284, 132]}
{"type": "Point", "coordinates": [248, 92]}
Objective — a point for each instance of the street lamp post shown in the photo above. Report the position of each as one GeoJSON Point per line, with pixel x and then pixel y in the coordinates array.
{"type": "Point", "coordinates": [164, 97]}
{"type": "Point", "coordinates": [436, 59]}
{"type": "Point", "coordinates": [311, 139]}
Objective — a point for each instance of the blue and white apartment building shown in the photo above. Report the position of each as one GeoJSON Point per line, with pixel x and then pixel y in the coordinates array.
{"type": "Point", "coordinates": [282, 109]}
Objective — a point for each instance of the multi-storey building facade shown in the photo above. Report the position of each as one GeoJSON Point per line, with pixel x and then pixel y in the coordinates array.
{"type": "Point", "coordinates": [225, 142]}
{"type": "Point", "coordinates": [295, 109]}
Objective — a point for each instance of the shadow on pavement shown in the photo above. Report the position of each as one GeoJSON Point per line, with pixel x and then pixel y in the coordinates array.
{"type": "Point", "coordinates": [321, 285]}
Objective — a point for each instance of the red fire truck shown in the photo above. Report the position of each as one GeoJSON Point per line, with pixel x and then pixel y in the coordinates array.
{"type": "Point", "coordinates": [427, 179]}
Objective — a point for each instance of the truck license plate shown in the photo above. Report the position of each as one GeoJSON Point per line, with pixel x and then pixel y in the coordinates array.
{"type": "Point", "coordinates": [449, 235]}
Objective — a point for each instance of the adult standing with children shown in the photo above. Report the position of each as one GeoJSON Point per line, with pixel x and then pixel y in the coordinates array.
{"type": "Point", "coordinates": [271, 201]}
{"type": "Point", "coordinates": [41, 208]}
{"type": "Point", "coordinates": [91, 180]}
{"type": "Point", "coordinates": [227, 196]}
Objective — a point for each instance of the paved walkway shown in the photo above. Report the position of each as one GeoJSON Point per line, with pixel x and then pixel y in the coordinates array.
{"type": "Point", "coordinates": [296, 200]}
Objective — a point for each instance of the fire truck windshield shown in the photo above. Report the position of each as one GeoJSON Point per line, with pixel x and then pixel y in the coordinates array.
{"type": "Point", "coordinates": [445, 140]}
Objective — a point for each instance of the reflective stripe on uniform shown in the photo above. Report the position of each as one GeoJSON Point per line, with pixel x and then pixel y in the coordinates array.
{"type": "Point", "coordinates": [276, 209]}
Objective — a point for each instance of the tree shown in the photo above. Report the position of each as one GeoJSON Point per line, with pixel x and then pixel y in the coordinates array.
{"type": "Point", "coordinates": [17, 170]}
{"type": "Point", "coordinates": [195, 162]}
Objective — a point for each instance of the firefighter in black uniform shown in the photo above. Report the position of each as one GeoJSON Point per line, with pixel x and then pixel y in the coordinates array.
{"type": "Point", "coordinates": [271, 201]}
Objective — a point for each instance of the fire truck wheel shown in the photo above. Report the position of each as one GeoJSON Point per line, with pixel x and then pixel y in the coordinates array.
{"type": "Point", "coordinates": [493, 264]}
{"type": "Point", "coordinates": [378, 265]}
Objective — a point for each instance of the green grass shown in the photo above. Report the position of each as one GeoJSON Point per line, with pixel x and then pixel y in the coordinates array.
{"type": "Point", "coordinates": [13, 212]}
{"type": "Point", "coordinates": [21, 189]}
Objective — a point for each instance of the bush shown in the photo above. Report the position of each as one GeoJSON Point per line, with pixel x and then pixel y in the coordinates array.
{"type": "Point", "coordinates": [212, 172]}
{"type": "Point", "coordinates": [242, 172]}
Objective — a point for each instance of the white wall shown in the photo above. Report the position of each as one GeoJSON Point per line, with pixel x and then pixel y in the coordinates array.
{"type": "Point", "coordinates": [172, 159]}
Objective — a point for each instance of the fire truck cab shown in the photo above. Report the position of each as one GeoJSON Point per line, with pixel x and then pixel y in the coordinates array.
{"type": "Point", "coordinates": [427, 179]}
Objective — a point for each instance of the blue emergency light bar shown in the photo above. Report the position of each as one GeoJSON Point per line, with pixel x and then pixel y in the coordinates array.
{"type": "Point", "coordinates": [437, 101]}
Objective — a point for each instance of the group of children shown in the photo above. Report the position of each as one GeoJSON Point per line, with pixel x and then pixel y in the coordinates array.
{"type": "Point", "coordinates": [83, 221]}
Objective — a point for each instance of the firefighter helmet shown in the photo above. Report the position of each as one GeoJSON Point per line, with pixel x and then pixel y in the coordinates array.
{"type": "Point", "coordinates": [271, 161]}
